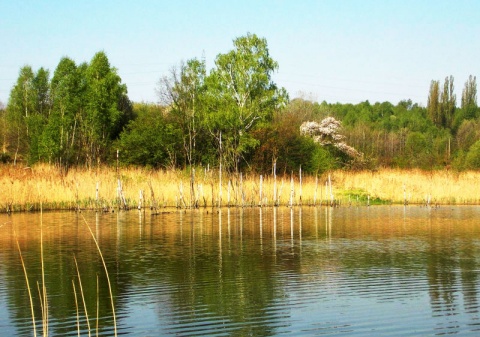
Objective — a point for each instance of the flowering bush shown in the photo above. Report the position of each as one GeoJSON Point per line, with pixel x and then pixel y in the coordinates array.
{"type": "Point", "coordinates": [327, 133]}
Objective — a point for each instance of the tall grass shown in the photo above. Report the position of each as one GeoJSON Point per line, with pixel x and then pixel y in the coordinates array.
{"type": "Point", "coordinates": [23, 189]}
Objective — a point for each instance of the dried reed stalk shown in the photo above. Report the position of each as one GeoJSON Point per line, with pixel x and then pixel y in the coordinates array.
{"type": "Point", "coordinates": [107, 275]}
{"type": "Point", "coordinates": [28, 285]}
{"type": "Point", "coordinates": [82, 294]}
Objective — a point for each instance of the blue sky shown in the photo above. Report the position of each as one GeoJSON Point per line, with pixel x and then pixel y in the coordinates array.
{"type": "Point", "coordinates": [338, 51]}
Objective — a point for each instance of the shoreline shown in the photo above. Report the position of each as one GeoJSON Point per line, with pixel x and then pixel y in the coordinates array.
{"type": "Point", "coordinates": [105, 189]}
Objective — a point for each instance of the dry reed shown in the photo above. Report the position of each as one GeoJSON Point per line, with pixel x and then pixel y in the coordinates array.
{"type": "Point", "coordinates": [28, 286]}
{"type": "Point", "coordinates": [23, 189]}
{"type": "Point", "coordinates": [107, 275]}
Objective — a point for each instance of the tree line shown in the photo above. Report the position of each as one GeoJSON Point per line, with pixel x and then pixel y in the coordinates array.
{"type": "Point", "coordinates": [72, 118]}
{"type": "Point", "coordinates": [233, 116]}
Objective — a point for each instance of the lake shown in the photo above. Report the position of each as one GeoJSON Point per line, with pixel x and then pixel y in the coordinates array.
{"type": "Point", "coordinates": [311, 271]}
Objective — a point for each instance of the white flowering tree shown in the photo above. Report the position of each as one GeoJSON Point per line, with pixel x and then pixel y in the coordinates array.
{"type": "Point", "coordinates": [327, 133]}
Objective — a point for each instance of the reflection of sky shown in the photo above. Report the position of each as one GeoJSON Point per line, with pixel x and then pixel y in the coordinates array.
{"type": "Point", "coordinates": [358, 315]}
{"type": "Point", "coordinates": [6, 328]}
{"type": "Point", "coordinates": [368, 271]}
{"type": "Point", "coordinates": [139, 315]}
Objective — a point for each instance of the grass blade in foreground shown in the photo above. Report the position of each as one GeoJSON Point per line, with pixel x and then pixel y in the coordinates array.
{"type": "Point", "coordinates": [106, 273]}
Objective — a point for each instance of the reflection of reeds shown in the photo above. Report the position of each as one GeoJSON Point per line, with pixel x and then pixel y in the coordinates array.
{"type": "Point", "coordinates": [42, 292]}
{"type": "Point", "coordinates": [97, 188]}
{"type": "Point", "coordinates": [42, 289]}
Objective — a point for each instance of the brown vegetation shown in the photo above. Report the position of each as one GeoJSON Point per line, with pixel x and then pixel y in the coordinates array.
{"type": "Point", "coordinates": [24, 189]}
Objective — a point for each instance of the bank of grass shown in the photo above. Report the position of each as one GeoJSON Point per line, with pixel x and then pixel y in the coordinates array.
{"type": "Point", "coordinates": [24, 188]}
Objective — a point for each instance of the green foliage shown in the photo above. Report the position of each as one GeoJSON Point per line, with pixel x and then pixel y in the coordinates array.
{"type": "Point", "coordinates": [472, 159]}
{"type": "Point", "coordinates": [102, 118]}
{"type": "Point", "coordinates": [72, 118]}
{"type": "Point", "coordinates": [469, 98]}
{"type": "Point", "coordinates": [467, 134]}
{"type": "Point", "coordinates": [150, 140]}
{"type": "Point", "coordinates": [322, 160]}
{"type": "Point", "coordinates": [240, 95]}
{"type": "Point", "coordinates": [58, 139]}
{"type": "Point", "coordinates": [281, 142]}
{"type": "Point", "coordinates": [27, 110]}
{"type": "Point", "coordinates": [184, 93]}
{"type": "Point", "coordinates": [234, 115]}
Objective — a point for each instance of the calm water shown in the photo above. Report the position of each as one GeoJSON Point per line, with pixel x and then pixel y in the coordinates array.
{"type": "Point", "coordinates": [385, 270]}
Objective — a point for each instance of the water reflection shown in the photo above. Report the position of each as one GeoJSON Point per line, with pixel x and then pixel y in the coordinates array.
{"type": "Point", "coordinates": [251, 271]}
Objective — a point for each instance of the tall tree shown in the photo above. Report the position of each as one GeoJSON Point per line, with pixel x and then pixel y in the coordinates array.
{"type": "Point", "coordinates": [102, 118]}
{"type": "Point", "coordinates": [241, 94]}
{"type": "Point", "coordinates": [448, 103]}
{"type": "Point", "coordinates": [469, 98]}
{"type": "Point", "coordinates": [58, 139]}
{"type": "Point", "coordinates": [3, 129]}
{"type": "Point", "coordinates": [182, 92]}
{"type": "Point", "coordinates": [21, 105]}
{"type": "Point", "coordinates": [433, 103]}
{"type": "Point", "coordinates": [37, 119]}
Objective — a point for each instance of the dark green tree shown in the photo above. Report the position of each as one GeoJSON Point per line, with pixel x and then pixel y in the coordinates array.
{"type": "Point", "coordinates": [448, 103]}
{"type": "Point", "coordinates": [469, 98]}
{"type": "Point", "coordinates": [102, 118]}
{"type": "Point", "coordinates": [151, 139]}
{"type": "Point", "coordinates": [433, 103]}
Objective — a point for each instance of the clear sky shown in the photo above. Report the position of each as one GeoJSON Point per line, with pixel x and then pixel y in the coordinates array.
{"type": "Point", "coordinates": [344, 51]}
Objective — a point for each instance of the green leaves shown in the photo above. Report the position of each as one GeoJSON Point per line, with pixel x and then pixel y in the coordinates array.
{"type": "Point", "coordinates": [242, 95]}
{"type": "Point", "coordinates": [150, 140]}
{"type": "Point", "coordinates": [71, 119]}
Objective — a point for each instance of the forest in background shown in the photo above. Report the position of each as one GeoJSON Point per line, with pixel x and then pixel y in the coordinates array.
{"type": "Point", "coordinates": [232, 116]}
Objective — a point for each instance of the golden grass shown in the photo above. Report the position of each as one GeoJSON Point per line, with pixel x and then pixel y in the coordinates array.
{"type": "Point", "coordinates": [442, 187]}
{"type": "Point", "coordinates": [23, 189]}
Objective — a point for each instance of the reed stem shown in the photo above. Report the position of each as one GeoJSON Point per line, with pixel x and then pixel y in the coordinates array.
{"type": "Point", "coordinates": [28, 286]}
{"type": "Point", "coordinates": [83, 296]}
{"type": "Point", "coordinates": [107, 275]}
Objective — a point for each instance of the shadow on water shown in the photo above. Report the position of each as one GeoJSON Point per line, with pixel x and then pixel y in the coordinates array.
{"type": "Point", "coordinates": [251, 272]}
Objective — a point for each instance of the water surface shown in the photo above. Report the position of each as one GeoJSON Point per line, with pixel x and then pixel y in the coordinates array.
{"type": "Point", "coordinates": [359, 271]}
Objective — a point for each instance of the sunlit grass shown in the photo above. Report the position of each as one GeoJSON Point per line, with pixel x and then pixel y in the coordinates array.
{"type": "Point", "coordinates": [24, 189]}
{"type": "Point", "coordinates": [414, 186]}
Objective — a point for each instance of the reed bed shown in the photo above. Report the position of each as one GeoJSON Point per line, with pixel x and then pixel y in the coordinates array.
{"type": "Point", "coordinates": [415, 186]}
{"type": "Point", "coordinates": [104, 188]}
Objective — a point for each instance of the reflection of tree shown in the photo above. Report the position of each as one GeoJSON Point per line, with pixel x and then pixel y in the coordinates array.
{"type": "Point", "coordinates": [469, 274]}
{"type": "Point", "coordinates": [441, 267]}
{"type": "Point", "coordinates": [451, 269]}
{"type": "Point", "coordinates": [231, 280]}
{"type": "Point", "coordinates": [238, 273]}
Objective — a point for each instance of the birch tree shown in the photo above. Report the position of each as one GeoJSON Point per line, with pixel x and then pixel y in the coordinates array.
{"type": "Point", "coordinates": [241, 94]}
{"type": "Point", "coordinates": [182, 92]}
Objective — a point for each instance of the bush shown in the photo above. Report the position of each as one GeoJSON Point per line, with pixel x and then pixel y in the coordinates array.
{"type": "Point", "coordinates": [472, 159]}
{"type": "Point", "coordinates": [5, 158]}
